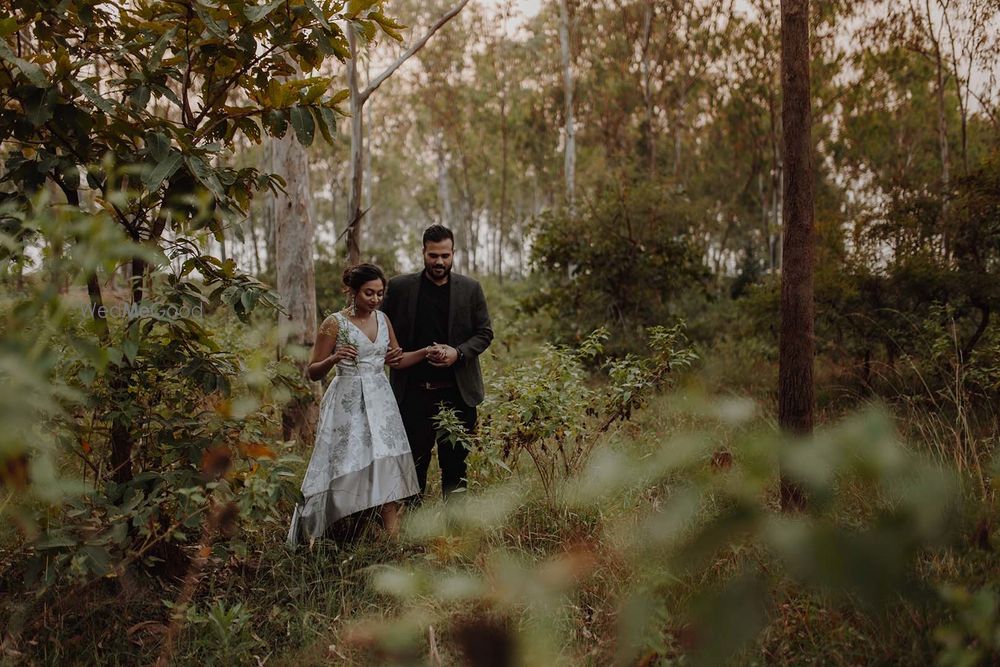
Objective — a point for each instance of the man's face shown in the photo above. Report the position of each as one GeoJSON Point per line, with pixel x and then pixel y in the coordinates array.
{"type": "Point", "coordinates": [437, 258]}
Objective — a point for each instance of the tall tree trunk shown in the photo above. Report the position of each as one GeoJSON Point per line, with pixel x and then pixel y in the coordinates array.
{"type": "Point", "coordinates": [503, 183]}
{"type": "Point", "coordinates": [368, 197]}
{"type": "Point", "coordinates": [357, 152]}
{"type": "Point", "coordinates": [255, 242]}
{"type": "Point", "coordinates": [678, 133]}
{"type": "Point", "coordinates": [647, 85]}
{"type": "Point", "coordinates": [570, 125]}
{"type": "Point", "coordinates": [942, 117]}
{"type": "Point", "coordinates": [444, 196]}
{"type": "Point", "coordinates": [777, 207]}
{"type": "Point", "coordinates": [796, 345]}
{"type": "Point", "coordinates": [295, 274]}
{"type": "Point", "coordinates": [270, 222]}
{"type": "Point", "coordinates": [121, 437]}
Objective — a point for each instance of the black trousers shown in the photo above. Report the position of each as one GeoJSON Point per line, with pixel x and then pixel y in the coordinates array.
{"type": "Point", "coordinates": [418, 410]}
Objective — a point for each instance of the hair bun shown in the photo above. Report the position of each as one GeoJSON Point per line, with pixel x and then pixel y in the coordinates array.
{"type": "Point", "coordinates": [357, 275]}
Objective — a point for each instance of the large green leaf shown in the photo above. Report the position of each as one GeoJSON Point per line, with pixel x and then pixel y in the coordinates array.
{"type": "Point", "coordinates": [157, 145]}
{"type": "Point", "coordinates": [215, 27]}
{"type": "Point", "coordinates": [205, 174]}
{"type": "Point", "coordinates": [355, 7]}
{"type": "Point", "coordinates": [327, 123]}
{"type": "Point", "coordinates": [250, 128]}
{"type": "Point", "coordinates": [305, 127]}
{"type": "Point", "coordinates": [8, 26]}
{"type": "Point", "coordinates": [276, 122]}
{"type": "Point", "coordinates": [316, 89]}
{"type": "Point", "coordinates": [163, 170]}
{"type": "Point", "coordinates": [389, 26]}
{"type": "Point", "coordinates": [318, 13]}
{"type": "Point", "coordinates": [259, 12]}
{"type": "Point", "coordinates": [156, 55]}
{"type": "Point", "coordinates": [91, 94]}
{"type": "Point", "coordinates": [39, 106]}
{"type": "Point", "coordinates": [29, 69]}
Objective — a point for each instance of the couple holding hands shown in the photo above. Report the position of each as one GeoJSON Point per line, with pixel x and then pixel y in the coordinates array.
{"type": "Point", "coordinates": [375, 435]}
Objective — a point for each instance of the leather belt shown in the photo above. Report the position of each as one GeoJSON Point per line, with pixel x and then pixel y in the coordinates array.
{"type": "Point", "coordinates": [432, 386]}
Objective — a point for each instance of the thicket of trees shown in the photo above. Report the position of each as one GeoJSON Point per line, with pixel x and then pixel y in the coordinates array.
{"type": "Point", "coordinates": [681, 102]}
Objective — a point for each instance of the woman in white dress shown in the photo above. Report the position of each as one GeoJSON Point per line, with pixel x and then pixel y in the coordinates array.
{"type": "Point", "coordinates": [361, 458]}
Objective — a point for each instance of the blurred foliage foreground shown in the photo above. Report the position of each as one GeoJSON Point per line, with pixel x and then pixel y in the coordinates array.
{"type": "Point", "coordinates": [593, 529]}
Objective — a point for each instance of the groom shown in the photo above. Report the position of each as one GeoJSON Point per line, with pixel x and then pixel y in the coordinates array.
{"type": "Point", "coordinates": [438, 308]}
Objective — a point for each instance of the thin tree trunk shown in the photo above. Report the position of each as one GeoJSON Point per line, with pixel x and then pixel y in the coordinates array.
{"type": "Point", "coordinates": [647, 85]}
{"type": "Point", "coordinates": [357, 153]}
{"type": "Point", "coordinates": [796, 345]}
{"type": "Point", "coordinates": [295, 274]}
{"type": "Point", "coordinates": [777, 207]}
{"type": "Point", "coordinates": [367, 150]}
{"type": "Point", "coordinates": [503, 184]}
{"type": "Point", "coordinates": [444, 196]}
{"type": "Point", "coordinates": [963, 99]}
{"type": "Point", "coordinates": [945, 152]}
{"type": "Point", "coordinates": [570, 125]}
{"type": "Point", "coordinates": [256, 244]}
{"type": "Point", "coordinates": [678, 133]}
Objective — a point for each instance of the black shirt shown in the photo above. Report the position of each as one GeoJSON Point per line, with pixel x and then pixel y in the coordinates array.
{"type": "Point", "coordinates": [433, 303]}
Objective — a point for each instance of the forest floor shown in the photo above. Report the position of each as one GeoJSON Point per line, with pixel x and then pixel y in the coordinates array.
{"type": "Point", "coordinates": [317, 605]}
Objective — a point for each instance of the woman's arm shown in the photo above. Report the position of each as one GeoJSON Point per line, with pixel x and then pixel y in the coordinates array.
{"type": "Point", "coordinates": [409, 358]}
{"type": "Point", "coordinates": [325, 352]}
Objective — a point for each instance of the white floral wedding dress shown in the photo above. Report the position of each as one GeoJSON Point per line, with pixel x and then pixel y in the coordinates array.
{"type": "Point", "coordinates": [361, 458]}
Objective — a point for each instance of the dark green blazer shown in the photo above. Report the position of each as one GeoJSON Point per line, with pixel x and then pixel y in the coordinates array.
{"type": "Point", "coordinates": [469, 329]}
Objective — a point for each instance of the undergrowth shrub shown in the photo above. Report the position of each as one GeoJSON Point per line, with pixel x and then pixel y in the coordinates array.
{"type": "Point", "coordinates": [547, 410]}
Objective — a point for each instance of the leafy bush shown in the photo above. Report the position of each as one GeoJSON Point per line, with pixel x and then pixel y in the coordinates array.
{"type": "Point", "coordinates": [707, 522]}
{"type": "Point", "coordinates": [545, 409]}
{"type": "Point", "coordinates": [200, 416]}
{"type": "Point", "coordinates": [617, 264]}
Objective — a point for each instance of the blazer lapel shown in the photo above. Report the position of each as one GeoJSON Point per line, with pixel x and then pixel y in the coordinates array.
{"type": "Point", "coordinates": [454, 297]}
{"type": "Point", "coordinates": [413, 293]}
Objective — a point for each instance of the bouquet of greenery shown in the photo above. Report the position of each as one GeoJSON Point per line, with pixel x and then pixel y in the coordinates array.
{"type": "Point", "coordinates": [344, 338]}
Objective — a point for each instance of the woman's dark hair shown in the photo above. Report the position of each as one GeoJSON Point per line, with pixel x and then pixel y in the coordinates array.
{"type": "Point", "coordinates": [438, 233]}
{"type": "Point", "coordinates": [359, 274]}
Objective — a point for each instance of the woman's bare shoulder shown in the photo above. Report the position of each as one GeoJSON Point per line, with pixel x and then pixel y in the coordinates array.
{"type": "Point", "coordinates": [330, 326]}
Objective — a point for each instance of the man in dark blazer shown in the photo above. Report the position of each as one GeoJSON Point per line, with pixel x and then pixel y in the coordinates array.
{"type": "Point", "coordinates": [447, 311]}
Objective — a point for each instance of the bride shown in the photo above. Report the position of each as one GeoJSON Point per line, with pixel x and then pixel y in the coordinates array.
{"type": "Point", "coordinates": [361, 458]}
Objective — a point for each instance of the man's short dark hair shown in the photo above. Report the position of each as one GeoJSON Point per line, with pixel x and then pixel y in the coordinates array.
{"type": "Point", "coordinates": [438, 233]}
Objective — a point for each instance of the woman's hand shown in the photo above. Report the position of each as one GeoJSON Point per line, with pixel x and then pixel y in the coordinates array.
{"type": "Point", "coordinates": [344, 353]}
{"type": "Point", "coordinates": [393, 356]}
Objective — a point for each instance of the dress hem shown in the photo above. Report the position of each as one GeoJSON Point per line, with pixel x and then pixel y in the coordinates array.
{"type": "Point", "coordinates": [383, 480]}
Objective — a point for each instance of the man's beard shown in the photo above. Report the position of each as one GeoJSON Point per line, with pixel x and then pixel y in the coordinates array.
{"type": "Point", "coordinates": [438, 272]}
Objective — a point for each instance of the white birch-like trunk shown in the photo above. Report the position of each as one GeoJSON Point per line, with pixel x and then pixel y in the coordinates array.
{"type": "Point", "coordinates": [295, 273]}
{"type": "Point", "coordinates": [444, 193]}
{"type": "Point", "coordinates": [367, 198]}
{"type": "Point", "coordinates": [569, 128]}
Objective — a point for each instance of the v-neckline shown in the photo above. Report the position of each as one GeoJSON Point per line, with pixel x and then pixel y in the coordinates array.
{"type": "Point", "coordinates": [361, 331]}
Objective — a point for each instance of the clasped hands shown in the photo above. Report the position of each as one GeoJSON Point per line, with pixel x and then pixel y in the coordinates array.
{"type": "Point", "coordinates": [438, 354]}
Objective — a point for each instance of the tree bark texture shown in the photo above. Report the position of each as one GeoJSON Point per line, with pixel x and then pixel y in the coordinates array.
{"type": "Point", "coordinates": [296, 278]}
{"type": "Point", "coordinates": [796, 345]}
{"type": "Point", "coordinates": [570, 124]}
